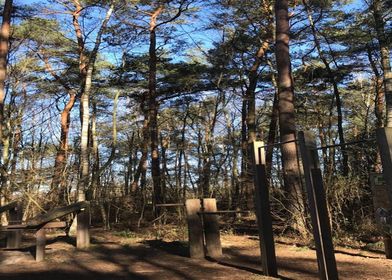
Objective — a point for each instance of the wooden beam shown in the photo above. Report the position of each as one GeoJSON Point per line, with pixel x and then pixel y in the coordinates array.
{"type": "Point", "coordinates": [170, 205]}
{"type": "Point", "coordinates": [220, 212]}
{"type": "Point", "coordinates": [318, 207]}
{"type": "Point", "coordinates": [384, 141]}
{"type": "Point", "coordinates": [211, 229]}
{"type": "Point", "coordinates": [263, 211]}
{"type": "Point", "coordinates": [56, 213]}
{"type": "Point", "coordinates": [82, 230]}
{"type": "Point", "coordinates": [195, 228]}
{"type": "Point", "coordinates": [40, 245]}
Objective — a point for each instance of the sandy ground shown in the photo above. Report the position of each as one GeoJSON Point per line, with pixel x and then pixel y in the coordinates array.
{"type": "Point", "coordinates": [114, 257]}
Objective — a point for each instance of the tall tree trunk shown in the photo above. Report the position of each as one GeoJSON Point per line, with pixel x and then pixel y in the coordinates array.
{"type": "Point", "coordinates": [4, 131]}
{"type": "Point", "coordinates": [142, 167]}
{"type": "Point", "coordinates": [287, 124]}
{"type": "Point", "coordinates": [153, 108]}
{"type": "Point", "coordinates": [251, 119]}
{"type": "Point", "coordinates": [273, 126]}
{"type": "Point", "coordinates": [129, 166]}
{"type": "Point", "coordinates": [378, 104]}
{"type": "Point", "coordinates": [95, 178]}
{"type": "Point", "coordinates": [58, 186]}
{"type": "Point", "coordinates": [244, 151]}
{"type": "Point", "coordinates": [377, 7]}
{"type": "Point", "coordinates": [59, 177]}
{"type": "Point", "coordinates": [85, 106]}
{"type": "Point", "coordinates": [4, 46]}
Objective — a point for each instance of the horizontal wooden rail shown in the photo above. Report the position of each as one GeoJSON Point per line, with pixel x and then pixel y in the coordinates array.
{"type": "Point", "coordinates": [222, 212]}
{"type": "Point", "coordinates": [170, 204]}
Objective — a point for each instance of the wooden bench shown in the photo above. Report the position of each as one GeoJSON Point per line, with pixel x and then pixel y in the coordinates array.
{"type": "Point", "coordinates": [42, 222]}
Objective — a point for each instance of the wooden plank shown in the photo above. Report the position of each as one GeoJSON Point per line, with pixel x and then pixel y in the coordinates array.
{"type": "Point", "coordinates": [195, 228]}
{"type": "Point", "coordinates": [53, 225]}
{"type": "Point", "coordinates": [56, 213]}
{"type": "Point", "coordinates": [220, 212]}
{"type": "Point", "coordinates": [318, 207]}
{"type": "Point", "coordinates": [170, 205]}
{"type": "Point", "coordinates": [263, 211]}
{"type": "Point", "coordinates": [328, 251]}
{"type": "Point", "coordinates": [50, 225]}
{"type": "Point", "coordinates": [40, 245]}
{"type": "Point", "coordinates": [83, 230]}
{"type": "Point", "coordinates": [384, 141]}
{"type": "Point", "coordinates": [211, 229]}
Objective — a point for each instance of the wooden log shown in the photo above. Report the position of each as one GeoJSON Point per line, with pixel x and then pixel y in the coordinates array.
{"type": "Point", "coordinates": [169, 205]}
{"type": "Point", "coordinates": [40, 245]}
{"type": "Point", "coordinates": [220, 212]}
{"type": "Point", "coordinates": [195, 228]}
{"type": "Point", "coordinates": [327, 249]}
{"type": "Point", "coordinates": [56, 213]}
{"type": "Point", "coordinates": [54, 225]}
{"type": "Point", "coordinates": [263, 211]}
{"type": "Point", "coordinates": [82, 230]}
{"type": "Point", "coordinates": [211, 229]}
{"type": "Point", "coordinates": [50, 225]}
{"type": "Point", "coordinates": [384, 141]}
{"type": "Point", "coordinates": [318, 207]}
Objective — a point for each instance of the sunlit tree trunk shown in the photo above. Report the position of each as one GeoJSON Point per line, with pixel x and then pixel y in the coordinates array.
{"type": "Point", "coordinates": [287, 123]}
{"type": "Point", "coordinates": [153, 108]}
{"type": "Point", "coordinates": [85, 102]}
{"type": "Point", "coordinates": [4, 46]}
{"type": "Point", "coordinates": [4, 127]}
{"type": "Point", "coordinates": [377, 7]}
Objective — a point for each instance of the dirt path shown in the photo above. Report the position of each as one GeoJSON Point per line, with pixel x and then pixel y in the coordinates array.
{"type": "Point", "coordinates": [112, 257]}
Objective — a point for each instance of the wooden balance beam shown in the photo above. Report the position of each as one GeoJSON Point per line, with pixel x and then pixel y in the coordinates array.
{"type": "Point", "coordinates": [42, 222]}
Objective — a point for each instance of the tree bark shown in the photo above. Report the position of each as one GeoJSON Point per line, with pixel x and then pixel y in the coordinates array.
{"type": "Point", "coordinates": [85, 103]}
{"type": "Point", "coordinates": [4, 47]}
{"type": "Point", "coordinates": [287, 123]}
{"type": "Point", "coordinates": [153, 108]}
{"type": "Point", "coordinates": [4, 127]}
{"type": "Point", "coordinates": [385, 57]}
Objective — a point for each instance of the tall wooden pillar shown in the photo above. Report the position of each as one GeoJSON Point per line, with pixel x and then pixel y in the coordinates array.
{"type": "Point", "coordinates": [211, 229]}
{"type": "Point", "coordinates": [384, 141]}
{"type": "Point", "coordinates": [318, 207]}
{"type": "Point", "coordinates": [263, 211]}
{"type": "Point", "coordinates": [195, 228]}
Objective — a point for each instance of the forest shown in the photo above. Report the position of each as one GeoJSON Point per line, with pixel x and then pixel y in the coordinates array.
{"type": "Point", "coordinates": [133, 105]}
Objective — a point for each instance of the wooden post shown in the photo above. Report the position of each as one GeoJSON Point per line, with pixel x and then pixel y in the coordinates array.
{"type": "Point", "coordinates": [263, 212]}
{"type": "Point", "coordinates": [211, 229]}
{"type": "Point", "coordinates": [14, 237]}
{"type": "Point", "coordinates": [318, 207]}
{"type": "Point", "coordinates": [384, 141]}
{"type": "Point", "coordinates": [82, 226]}
{"type": "Point", "coordinates": [195, 228]}
{"type": "Point", "coordinates": [40, 246]}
